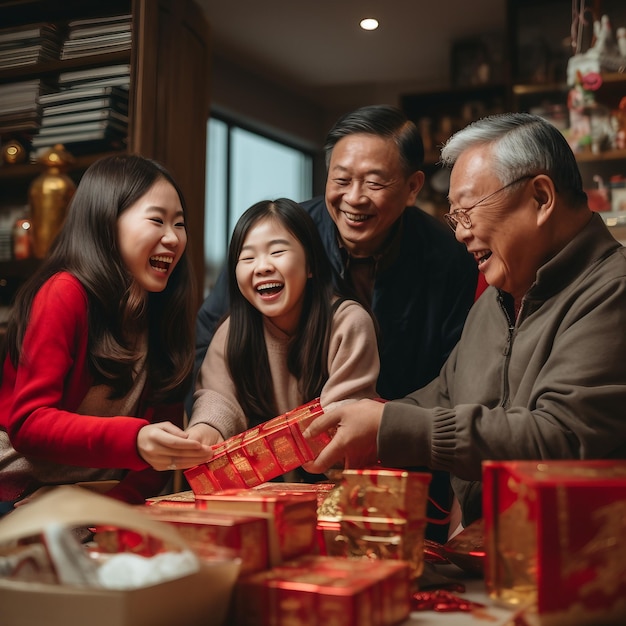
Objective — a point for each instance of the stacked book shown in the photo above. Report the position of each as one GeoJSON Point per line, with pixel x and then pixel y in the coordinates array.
{"type": "Point", "coordinates": [27, 45]}
{"type": "Point", "coordinates": [19, 109]}
{"type": "Point", "coordinates": [97, 36]}
{"type": "Point", "coordinates": [87, 117]}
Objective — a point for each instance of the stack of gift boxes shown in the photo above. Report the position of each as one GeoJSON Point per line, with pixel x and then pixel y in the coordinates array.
{"type": "Point", "coordinates": [299, 567]}
{"type": "Point", "coordinates": [349, 553]}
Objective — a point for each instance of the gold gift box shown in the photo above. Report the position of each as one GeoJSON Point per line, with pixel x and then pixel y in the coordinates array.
{"type": "Point", "coordinates": [554, 540]}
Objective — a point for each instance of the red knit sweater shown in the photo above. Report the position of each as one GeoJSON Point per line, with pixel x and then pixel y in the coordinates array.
{"type": "Point", "coordinates": [38, 400]}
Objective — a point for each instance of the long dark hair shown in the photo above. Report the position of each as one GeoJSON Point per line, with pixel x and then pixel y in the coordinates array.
{"type": "Point", "coordinates": [308, 350]}
{"type": "Point", "coordinates": [87, 248]}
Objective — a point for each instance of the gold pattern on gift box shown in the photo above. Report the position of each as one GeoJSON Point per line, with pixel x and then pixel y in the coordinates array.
{"type": "Point", "coordinates": [223, 465]}
{"type": "Point", "coordinates": [604, 554]}
{"type": "Point", "coordinates": [262, 457]}
{"type": "Point", "coordinates": [515, 572]}
{"type": "Point", "coordinates": [385, 493]}
{"type": "Point", "coordinates": [329, 508]}
{"type": "Point", "coordinates": [285, 453]}
{"type": "Point", "coordinates": [244, 467]}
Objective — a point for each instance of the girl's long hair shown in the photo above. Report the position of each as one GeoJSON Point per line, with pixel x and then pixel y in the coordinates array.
{"type": "Point", "coordinates": [246, 352]}
{"type": "Point", "coordinates": [119, 311]}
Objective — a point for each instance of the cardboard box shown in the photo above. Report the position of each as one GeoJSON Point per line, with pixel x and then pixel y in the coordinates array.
{"type": "Point", "coordinates": [292, 517]}
{"type": "Point", "coordinates": [260, 454]}
{"type": "Point", "coordinates": [320, 591]}
{"type": "Point", "coordinates": [554, 539]}
{"type": "Point", "coordinates": [200, 599]}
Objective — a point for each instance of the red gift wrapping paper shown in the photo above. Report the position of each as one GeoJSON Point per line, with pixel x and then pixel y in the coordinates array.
{"type": "Point", "coordinates": [325, 591]}
{"type": "Point", "coordinates": [291, 516]}
{"type": "Point", "coordinates": [554, 537]}
{"type": "Point", "coordinates": [260, 453]}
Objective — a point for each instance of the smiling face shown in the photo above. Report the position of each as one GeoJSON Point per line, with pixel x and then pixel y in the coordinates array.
{"type": "Point", "coordinates": [272, 273]}
{"type": "Point", "coordinates": [505, 237]}
{"type": "Point", "coordinates": [367, 191]}
{"type": "Point", "coordinates": [151, 236]}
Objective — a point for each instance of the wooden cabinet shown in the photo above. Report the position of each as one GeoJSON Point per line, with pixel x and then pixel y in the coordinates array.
{"type": "Point", "coordinates": [168, 99]}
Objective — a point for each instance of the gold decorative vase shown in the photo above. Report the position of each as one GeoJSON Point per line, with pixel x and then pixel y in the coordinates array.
{"type": "Point", "coordinates": [48, 196]}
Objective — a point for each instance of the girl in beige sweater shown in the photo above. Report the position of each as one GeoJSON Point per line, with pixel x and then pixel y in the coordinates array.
{"type": "Point", "coordinates": [289, 336]}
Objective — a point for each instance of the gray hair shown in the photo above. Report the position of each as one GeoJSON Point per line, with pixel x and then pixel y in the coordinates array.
{"type": "Point", "coordinates": [522, 144]}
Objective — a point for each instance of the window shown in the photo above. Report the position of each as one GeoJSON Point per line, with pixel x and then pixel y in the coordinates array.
{"type": "Point", "coordinates": [244, 167]}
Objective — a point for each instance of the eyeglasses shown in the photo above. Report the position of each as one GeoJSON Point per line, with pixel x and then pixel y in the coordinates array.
{"type": "Point", "coordinates": [461, 216]}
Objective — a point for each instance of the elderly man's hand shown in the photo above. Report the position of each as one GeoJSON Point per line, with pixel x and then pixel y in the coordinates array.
{"type": "Point", "coordinates": [355, 427]}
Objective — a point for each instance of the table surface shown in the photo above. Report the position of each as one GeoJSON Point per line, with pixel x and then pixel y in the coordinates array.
{"type": "Point", "coordinates": [491, 615]}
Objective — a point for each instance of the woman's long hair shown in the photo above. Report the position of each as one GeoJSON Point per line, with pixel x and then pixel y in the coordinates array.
{"type": "Point", "coordinates": [119, 311]}
{"type": "Point", "coordinates": [246, 352]}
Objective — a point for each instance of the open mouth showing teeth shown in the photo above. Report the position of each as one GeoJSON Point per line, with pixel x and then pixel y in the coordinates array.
{"type": "Point", "coordinates": [480, 259]}
{"type": "Point", "coordinates": [269, 289]}
{"type": "Point", "coordinates": [357, 217]}
{"type": "Point", "coordinates": [161, 263]}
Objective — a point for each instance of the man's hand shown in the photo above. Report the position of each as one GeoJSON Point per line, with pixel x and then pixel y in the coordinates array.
{"type": "Point", "coordinates": [166, 447]}
{"type": "Point", "coordinates": [355, 426]}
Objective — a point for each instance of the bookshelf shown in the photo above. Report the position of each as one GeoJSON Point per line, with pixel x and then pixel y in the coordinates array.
{"type": "Point", "coordinates": [168, 101]}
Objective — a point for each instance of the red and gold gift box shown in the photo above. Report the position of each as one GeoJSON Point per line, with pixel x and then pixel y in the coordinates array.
{"type": "Point", "coordinates": [291, 515]}
{"type": "Point", "coordinates": [381, 514]}
{"type": "Point", "coordinates": [261, 453]}
{"type": "Point", "coordinates": [554, 539]}
{"type": "Point", "coordinates": [376, 538]}
{"type": "Point", "coordinates": [384, 493]}
{"type": "Point", "coordinates": [245, 536]}
{"type": "Point", "coordinates": [320, 591]}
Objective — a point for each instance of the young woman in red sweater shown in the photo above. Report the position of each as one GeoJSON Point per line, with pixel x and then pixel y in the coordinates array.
{"type": "Point", "coordinates": [289, 337]}
{"type": "Point", "coordinates": [99, 345]}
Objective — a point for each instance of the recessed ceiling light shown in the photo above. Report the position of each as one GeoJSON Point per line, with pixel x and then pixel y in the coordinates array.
{"type": "Point", "coordinates": [369, 23]}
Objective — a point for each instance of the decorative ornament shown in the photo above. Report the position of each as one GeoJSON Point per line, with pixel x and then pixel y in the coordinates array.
{"type": "Point", "coordinates": [13, 152]}
{"type": "Point", "coordinates": [48, 196]}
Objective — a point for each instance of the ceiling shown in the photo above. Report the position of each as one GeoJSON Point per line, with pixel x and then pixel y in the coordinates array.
{"type": "Point", "coordinates": [319, 43]}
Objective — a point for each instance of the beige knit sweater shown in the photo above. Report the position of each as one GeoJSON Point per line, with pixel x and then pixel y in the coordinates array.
{"type": "Point", "coordinates": [353, 366]}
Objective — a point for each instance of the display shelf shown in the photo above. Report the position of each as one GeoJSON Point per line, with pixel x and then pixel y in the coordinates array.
{"type": "Point", "coordinates": [168, 105]}
{"type": "Point", "coordinates": [51, 68]}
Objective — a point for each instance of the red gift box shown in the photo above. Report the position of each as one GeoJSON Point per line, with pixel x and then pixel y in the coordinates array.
{"type": "Point", "coordinates": [291, 515]}
{"type": "Point", "coordinates": [245, 536]}
{"type": "Point", "coordinates": [553, 531]}
{"type": "Point", "coordinates": [260, 453]}
{"type": "Point", "coordinates": [319, 591]}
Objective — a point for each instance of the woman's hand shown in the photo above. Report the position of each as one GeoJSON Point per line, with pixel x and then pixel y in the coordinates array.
{"type": "Point", "coordinates": [166, 447]}
{"type": "Point", "coordinates": [355, 427]}
{"type": "Point", "coordinates": [204, 433]}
